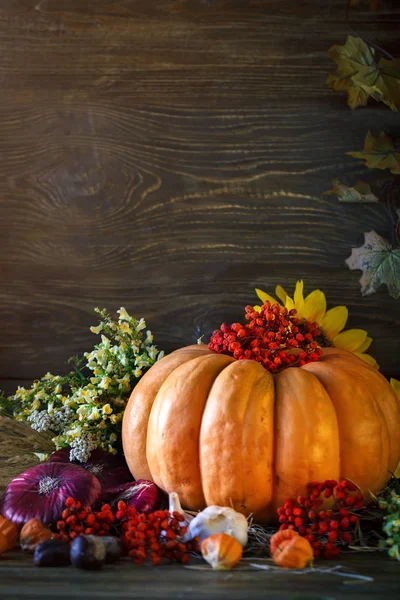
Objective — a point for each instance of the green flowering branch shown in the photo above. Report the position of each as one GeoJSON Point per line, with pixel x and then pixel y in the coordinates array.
{"type": "Point", "coordinates": [390, 504]}
{"type": "Point", "coordinates": [84, 409]}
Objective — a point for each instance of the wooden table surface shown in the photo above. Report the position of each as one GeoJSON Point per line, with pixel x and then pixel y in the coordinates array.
{"type": "Point", "coordinates": [19, 578]}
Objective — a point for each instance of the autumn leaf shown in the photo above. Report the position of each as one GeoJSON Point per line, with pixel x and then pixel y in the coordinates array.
{"type": "Point", "coordinates": [390, 70]}
{"type": "Point", "coordinates": [352, 58]}
{"type": "Point", "coordinates": [362, 76]}
{"type": "Point", "coordinates": [379, 153]}
{"type": "Point", "coordinates": [380, 264]}
{"type": "Point", "coordinates": [361, 192]}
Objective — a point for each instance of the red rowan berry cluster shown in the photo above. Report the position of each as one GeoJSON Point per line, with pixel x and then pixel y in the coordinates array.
{"type": "Point", "coordinates": [76, 520]}
{"type": "Point", "coordinates": [273, 337]}
{"type": "Point", "coordinates": [157, 535]}
{"type": "Point", "coordinates": [327, 530]}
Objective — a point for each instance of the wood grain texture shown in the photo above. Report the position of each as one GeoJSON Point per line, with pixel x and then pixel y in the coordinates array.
{"type": "Point", "coordinates": [125, 581]}
{"type": "Point", "coordinates": [170, 156]}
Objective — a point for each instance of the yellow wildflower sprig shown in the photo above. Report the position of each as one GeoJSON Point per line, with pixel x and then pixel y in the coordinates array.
{"type": "Point", "coordinates": [84, 409]}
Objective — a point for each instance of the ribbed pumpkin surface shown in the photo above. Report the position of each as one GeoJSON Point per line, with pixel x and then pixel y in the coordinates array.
{"type": "Point", "coordinates": [221, 431]}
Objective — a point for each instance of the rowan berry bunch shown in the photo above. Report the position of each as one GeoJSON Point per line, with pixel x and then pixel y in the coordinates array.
{"type": "Point", "coordinates": [328, 531]}
{"type": "Point", "coordinates": [273, 337]}
{"type": "Point", "coordinates": [155, 536]}
{"type": "Point", "coordinates": [76, 520]}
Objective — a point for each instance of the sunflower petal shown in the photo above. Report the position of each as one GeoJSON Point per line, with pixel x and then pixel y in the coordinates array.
{"type": "Point", "coordinates": [351, 340]}
{"type": "Point", "coordinates": [334, 320]}
{"type": "Point", "coordinates": [366, 344]}
{"type": "Point", "coordinates": [289, 304]}
{"type": "Point", "coordinates": [368, 359]}
{"type": "Point", "coordinates": [315, 306]}
{"type": "Point", "coordinates": [282, 295]}
{"type": "Point", "coordinates": [396, 386]}
{"type": "Point", "coordinates": [263, 296]}
{"type": "Point", "coordinates": [397, 471]}
{"type": "Point", "coordinates": [299, 298]}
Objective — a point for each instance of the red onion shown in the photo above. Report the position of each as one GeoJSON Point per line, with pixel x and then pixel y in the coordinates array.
{"type": "Point", "coordinates": [110, 469]}
{"type": "Point", "coordinates": [142, 494]}
{"type": "Point", "coordinates": [41, 492]}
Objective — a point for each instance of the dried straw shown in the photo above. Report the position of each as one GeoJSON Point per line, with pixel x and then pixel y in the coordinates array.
{"type": "Point", "coordinates": [18, 442]}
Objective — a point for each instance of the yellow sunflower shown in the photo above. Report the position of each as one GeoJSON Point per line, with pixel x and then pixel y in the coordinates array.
{"type": "Point", "coordinates": [332, 321]}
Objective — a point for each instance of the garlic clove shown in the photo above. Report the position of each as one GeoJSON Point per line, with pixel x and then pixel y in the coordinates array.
{"type": "Point", "coordinates": [175, 506]}
{"type": "Point", "coordinates": [218, 519]}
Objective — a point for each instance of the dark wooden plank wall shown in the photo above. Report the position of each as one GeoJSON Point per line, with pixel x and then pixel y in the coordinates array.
{"type": "Point", "coordinates": [169, 156]}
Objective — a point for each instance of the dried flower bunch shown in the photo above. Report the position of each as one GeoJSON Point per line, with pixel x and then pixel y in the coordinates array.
{"type": "Point", "coordinates": [84, 409]}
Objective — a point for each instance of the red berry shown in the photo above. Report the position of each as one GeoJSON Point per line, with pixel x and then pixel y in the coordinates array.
{"type": "Point", "coordinates": [298, 521]}
{"type": "Point", "coordinates": [346, 537]}
{"type": "Point", "coordinates": [343, 512]}
{"type": "Point", "coordinates": [311, 514]}
{"type": "Point", "coordinates": [345, 523]}
{"type": "Point", "coordinates": [323, 527]}
{"type": "Point", "coordinates": [350, 501]}
{"type": "Point", "coordinates": [302, 530]}
{"type": "Point", "coordinates": [353, 519]}
{"type": "Point", "coordinates": [333, 536]}
{"type": "Point", "coordinates": [334, 525]}
{"type": "Point", "coordinates": [282, 519]}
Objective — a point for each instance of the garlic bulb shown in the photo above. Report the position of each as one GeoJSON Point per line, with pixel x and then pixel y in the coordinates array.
{"type": "Point", "coordinates": [218, 519]}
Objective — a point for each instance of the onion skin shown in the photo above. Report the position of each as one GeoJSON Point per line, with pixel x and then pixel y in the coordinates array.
{"type": "Point", "coordinates": [110, 469]}
{"type": "Point", "coordinates": [142, 494]}
{"type": "Point", "coordinates": [41, 492]}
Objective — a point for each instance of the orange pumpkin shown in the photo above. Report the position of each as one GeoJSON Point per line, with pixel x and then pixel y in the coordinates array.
{"type": "Point", "coordinates": [8, 535]}
{"type": "Point", "coordinates": [221, 431]}
{"type": "Point", "coordinates": [290, 550]}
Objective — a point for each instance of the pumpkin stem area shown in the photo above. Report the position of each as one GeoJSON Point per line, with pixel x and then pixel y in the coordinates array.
{"type": "Point", "coordinates": [274, 337]}
{"type": "Point", "coordinates": [48, 485]}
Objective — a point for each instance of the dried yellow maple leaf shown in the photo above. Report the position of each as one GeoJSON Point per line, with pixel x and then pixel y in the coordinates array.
{"type": "Point", "coordinates": [379, 153]}
{"type": "Point", "coordinates": [360, 192]}
{"type": "Point", "coordinates": [362, 76]}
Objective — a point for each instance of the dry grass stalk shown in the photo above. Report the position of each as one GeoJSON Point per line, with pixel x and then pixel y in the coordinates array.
{"type": "Point", "coordinates": [18, 442]}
